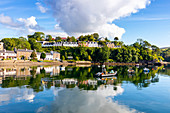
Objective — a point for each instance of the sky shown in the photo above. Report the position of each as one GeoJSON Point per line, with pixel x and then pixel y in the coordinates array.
{"type": "Point", "coordinates": [127, 19]}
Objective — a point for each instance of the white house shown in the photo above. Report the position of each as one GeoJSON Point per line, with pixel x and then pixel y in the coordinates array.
{"type": "Point", "coordinates": [101, 39]}
{"type": "Point", "coordinates": [70, 44]}
{"type": "Point", "coordinates": [49, 56]}
{"type": "Point", "coordinates": [92, 44]}
{"type": "Point", "coordinates": [4, 54]}
{"type": "Point", "coordinates": [58, 44]}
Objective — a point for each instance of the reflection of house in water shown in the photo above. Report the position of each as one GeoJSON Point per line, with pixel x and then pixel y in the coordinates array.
{"type": "Point", "coordinates": [73, 82]}
{"type": "Point", "coordinates": [64, 82]}
{"type": "Point", "coordinates": [16, 72]}
{"type": "Point", "coordinates": [53, 70]}
{"type": "Point", "coordinates": [89, 82]}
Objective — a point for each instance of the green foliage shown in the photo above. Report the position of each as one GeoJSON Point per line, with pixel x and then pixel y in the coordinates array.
{"type": "Point", "coordinates": [19, 43]}
{"type": "Point", "coordinates": [43, 56]}
{"type": "Point", "coordinates": [33, 55]}
{"type": "Point", "coordinates": [165, 53]}
{"type": "Point", "coordinates": [58, 39]}
{"type": "Point", "coordinates": [116, 38]}
{"type": "Point", "coordinates": [71, 39]}
{"type": "Point", "coordinates": [49, 38]}
{"type": "Point", "coordinates": [63, 58]}
{"type": "Point", "coordinates": [39, 36]}
{"type": "Point", "coordinates": [35, 45]}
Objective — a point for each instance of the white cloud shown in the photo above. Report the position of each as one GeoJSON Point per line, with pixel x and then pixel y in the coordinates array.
{"type": "Point", "coordinates": [41, 8]}
{"type": "Point", "coordinates": [86, 16]}
{"type": "Point", "coordinates": [6, 20]}
{"type": "Point", "coordinates": [28, 25]}
{"type": "Point", "coordinates": [24, 94]}
{"type": "Point", "coordinates": [98, 101]}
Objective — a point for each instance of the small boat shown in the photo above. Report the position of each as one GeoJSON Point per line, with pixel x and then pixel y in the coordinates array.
{"type": "Point", "coordinates": [146, 69]}
{"type": "Point", "coordinates": [101, 74]}
{"type": "Point", "coordinates": [131, 71]}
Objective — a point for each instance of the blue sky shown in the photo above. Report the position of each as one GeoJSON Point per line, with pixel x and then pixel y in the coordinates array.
{"type": "Point", "coordinates": [151, 23]}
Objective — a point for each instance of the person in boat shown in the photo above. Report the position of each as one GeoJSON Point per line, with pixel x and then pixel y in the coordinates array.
{"type": "Point", "coordinates": [111, 71]}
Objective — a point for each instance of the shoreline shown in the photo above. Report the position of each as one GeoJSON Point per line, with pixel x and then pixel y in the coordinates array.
{"type": "Point", "coordinates": [65, 63]}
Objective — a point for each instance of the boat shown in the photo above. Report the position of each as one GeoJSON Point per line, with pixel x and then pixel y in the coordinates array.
{"type": "Point", "coordinates": [131, 71]}
{"type": "Point", "coordinates": [101, 74]}
{"type": "Point", "coordinates": [146, 69]}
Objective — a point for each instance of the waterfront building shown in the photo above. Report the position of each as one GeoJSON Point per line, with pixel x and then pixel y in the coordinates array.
{"type": "Point", "coordinates": [4, 54]}
{"type": "Point", "coordinates": [93, 44]}
{"type": "Point", "coordinates": [1, 46]}
{"type": "Point", "coordinates": [23, 54]}
{"type": "Point", "coordinates": [70, 44]}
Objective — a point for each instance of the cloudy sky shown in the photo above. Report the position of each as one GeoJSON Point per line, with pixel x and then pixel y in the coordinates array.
{"type": "Point", "coordinates": [126, 19]}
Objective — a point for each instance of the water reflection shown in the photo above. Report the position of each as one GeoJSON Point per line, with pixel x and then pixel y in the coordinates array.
{"type": "Point", "coordinates": [72, 87]}
{"type": "Point", "coordinates": [82, 77]}
{"type": "Point", "coordinates": [76, 101]}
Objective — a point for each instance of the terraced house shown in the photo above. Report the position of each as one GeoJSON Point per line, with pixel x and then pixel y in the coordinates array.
{"type": "Point", "coordinates": [24, 54]}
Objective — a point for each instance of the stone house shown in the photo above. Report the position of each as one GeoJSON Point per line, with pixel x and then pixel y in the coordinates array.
{"type": "Point", "coordinates": [23, 54]}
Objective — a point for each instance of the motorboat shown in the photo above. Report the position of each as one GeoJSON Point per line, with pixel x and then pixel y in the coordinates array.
{"type": "Point", "coordinates": [146, 69]}
{"type": "Point", "coordinates": [101, 74]}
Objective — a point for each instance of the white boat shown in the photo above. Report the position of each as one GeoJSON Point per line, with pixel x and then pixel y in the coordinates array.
{"type": "Point", "coordinates": [146, 69]}
{"type": "Point", "coordinates": [101, 74]}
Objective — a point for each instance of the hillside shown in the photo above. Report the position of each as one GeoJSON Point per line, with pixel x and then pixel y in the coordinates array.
{"type": "Point", "coordinates": [165, 52]}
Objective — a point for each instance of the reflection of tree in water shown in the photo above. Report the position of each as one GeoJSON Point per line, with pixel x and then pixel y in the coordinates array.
{"type": "Point", "coordinates": [82, 75]}
{"type": "Point", "coordinates": [164, 70]}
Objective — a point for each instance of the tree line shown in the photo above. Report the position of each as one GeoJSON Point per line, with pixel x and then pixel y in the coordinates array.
{"type": "Point", "coordinates": [141, 50]}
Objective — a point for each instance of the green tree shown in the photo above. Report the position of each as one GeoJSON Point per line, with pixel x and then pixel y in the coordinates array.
{"type": "Point", "coordinates": [43, 55]}
{"type": "Point", "coordinates": [58, 39]}
{"type": "Point", "coordinates": [96, 36]}
{"type": "Point", "coordinates": [39, 36]}
{"type": "Point", "coordinates": [33, 55]}
{"type": "Point", "coordinates": [49, 37]}
{"type": "Point", "coordinates": [91, 38]}
{"type": "Point", "coordinates": [116, 38]}
{"type": "Point", "coordinates": [35, 45]}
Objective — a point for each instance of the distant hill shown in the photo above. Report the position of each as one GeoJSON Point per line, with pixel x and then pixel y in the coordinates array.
{"type": "Point", "coordinates": [165, 48]}
{"type": "Point", "coordinates": [165, 52]}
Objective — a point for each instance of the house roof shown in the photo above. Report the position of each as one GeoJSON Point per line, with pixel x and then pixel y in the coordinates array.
{"type": "Point", "coordinates": [64, 38]}
{"type": "Point", "coordinates": [48, 53]}
{"type": "Point", "coordinates": [24, 50]}
{"type": "Point", "coordinates": [3, 51]}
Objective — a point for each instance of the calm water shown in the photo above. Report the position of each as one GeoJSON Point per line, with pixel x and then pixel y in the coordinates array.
{"type": "Point", "coordinates": [75, 90]}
